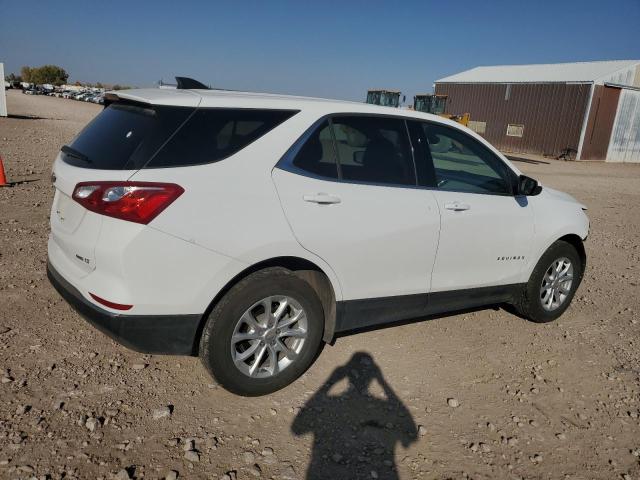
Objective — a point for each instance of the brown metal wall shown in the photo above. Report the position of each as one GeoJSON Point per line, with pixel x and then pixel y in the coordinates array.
{"type": "Point", "coordinates": [601, 117]}
{"type": "Point", "coordinates": [552, 113]}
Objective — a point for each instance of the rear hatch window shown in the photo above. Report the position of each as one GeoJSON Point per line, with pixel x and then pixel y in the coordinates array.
{"type": "Point", "coordinates": [124, 137]}
{"type": "Point", "coordinates": [132, 137]}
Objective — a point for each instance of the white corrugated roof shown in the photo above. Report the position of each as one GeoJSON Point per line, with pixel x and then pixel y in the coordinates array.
{"type": "Point", "coordinates": [550, 72]}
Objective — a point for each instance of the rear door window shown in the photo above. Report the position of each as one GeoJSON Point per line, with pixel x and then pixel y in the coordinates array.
{"type": "Point", "coordinates": [374, 150]}
{"type": "Point", "coordinates": [214, 134]}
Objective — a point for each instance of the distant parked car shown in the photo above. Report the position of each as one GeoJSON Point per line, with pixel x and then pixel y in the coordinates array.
{"type": "Point", "coordinates": [98, 98]}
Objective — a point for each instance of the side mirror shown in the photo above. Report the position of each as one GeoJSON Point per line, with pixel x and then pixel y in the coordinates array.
{"type": "Point", "coordinates": [528, 186]}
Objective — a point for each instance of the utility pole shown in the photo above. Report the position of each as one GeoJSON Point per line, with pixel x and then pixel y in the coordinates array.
{"type": "Point", "coordinates": [3, 94]}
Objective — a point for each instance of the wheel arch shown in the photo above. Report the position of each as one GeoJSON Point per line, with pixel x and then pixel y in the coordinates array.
{"type": "Point", "coordinates": [578, 244]}
{"type": "Point", "coordinates": [571, 238]}
{"type": "Point", "coordinates": [302, 268]}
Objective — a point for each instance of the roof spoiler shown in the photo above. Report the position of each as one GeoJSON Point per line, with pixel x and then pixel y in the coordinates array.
{"type": "Point", "coordinates": [186, 83]}
{"type": "Point", "coordinates": [183, 83]}
{"type": "Point", "coordinates": [110, 98]}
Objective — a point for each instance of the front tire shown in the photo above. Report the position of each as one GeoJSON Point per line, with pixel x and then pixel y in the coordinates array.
{"type": "Point", "coordinates": [552, 285]}
{"type": "Point", "coordinates": [263, 334]}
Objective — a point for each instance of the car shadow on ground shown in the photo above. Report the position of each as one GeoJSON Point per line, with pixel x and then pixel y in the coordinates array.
{"type": "Point", "coordinates": [27, 117]}
{"type": "Point", "coordinates": [20, 182]}
{"type": "Point", "coordinates": [357, 420]}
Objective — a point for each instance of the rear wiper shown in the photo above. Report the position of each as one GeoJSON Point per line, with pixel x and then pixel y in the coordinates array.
{"type": "Point", "coordinates": [72, 152]}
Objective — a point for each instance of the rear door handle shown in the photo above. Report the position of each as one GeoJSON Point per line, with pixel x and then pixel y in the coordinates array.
{"type": "Point", "coordinates": [457, 206]}
{"type": "Point", "coordinates": [321, 198]}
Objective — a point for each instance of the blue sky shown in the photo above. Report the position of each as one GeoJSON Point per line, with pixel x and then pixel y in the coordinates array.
{"type": "Point", "coordinates": [331, 48]}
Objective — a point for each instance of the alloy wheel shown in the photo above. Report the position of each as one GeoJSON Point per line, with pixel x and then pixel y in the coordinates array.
{"type": "Point", "coordinates": [269, 336]}
{"type": "Point", "coordinates": [556, 284]}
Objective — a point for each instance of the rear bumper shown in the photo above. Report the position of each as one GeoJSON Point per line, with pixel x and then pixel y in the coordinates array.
{"type": "Point", "coordinates": [158, 334]}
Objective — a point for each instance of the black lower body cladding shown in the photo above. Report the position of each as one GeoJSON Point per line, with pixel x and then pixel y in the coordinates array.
{"type": "Point", "coordinates": [157, 334]}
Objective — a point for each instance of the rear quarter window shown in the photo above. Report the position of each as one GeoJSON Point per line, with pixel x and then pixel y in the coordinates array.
{"type": "Point", "coordinates": [210, 135]}
{"type": "Point", "coordinates": [317, 155]}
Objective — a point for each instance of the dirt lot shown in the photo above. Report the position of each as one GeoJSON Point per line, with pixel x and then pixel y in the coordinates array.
{"type": "Point", "coordinates": [534, 401]}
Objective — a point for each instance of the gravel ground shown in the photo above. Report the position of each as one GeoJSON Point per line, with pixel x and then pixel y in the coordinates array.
{"type": "Point", "coordinates": [476, 395]}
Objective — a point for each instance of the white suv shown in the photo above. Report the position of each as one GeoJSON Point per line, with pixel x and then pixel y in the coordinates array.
{"type": "Point", "coordinates": [248, 228]}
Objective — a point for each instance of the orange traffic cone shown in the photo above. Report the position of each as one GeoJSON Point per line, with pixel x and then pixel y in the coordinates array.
{"type": "Point", "coordinates": [3, 177]}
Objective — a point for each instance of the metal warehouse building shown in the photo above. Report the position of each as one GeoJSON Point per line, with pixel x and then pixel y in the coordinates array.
{"type": "Point", "coordinates": [591, 108]}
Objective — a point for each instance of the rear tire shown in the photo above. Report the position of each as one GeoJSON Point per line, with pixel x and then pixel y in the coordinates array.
{"type": "Point", "coordinates": [238, 333]}
{"type": "Point", "coordinates": [552, 285]}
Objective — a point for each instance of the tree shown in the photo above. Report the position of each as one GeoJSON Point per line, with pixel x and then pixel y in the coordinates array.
{"type": "Point", "coordinates": [12, 77]}
{"type": "Point", "coordinates": [25, 73]}
{"type": "Point", "coordinates": [52, 74]}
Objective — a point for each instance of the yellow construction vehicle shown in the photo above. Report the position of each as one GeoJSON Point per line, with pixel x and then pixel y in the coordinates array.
{"type": "Point", "coordinates": [430, 103]}
{"type": "Point", "coordinates": [437, 104]}
{"type": "Point", "coordinates": [462, 119]}
{"type": "Point", "coordinates": [386, 98]}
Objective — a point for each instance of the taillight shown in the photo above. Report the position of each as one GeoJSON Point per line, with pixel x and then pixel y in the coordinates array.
{"type": "Point", "coordinates": [138, 202]}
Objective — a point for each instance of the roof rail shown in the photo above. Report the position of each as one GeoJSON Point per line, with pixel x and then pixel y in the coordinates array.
{"type": "Point", "coordinates": [186, 83]}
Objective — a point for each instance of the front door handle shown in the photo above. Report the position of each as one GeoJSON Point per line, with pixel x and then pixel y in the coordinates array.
{"type": "Point", "coordinates": [321, 198]}
{"type": "Point", "coordinates": [457, 206]}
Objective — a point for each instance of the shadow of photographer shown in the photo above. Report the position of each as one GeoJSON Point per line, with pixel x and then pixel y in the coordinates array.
{"type": "Point", "coordinates": [356, 420]}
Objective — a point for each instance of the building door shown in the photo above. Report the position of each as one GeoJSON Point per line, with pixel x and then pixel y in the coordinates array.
{"type": "Point", "coordinates": [601, 117]}
{"type": "Point", "coordinates": [625, 139]}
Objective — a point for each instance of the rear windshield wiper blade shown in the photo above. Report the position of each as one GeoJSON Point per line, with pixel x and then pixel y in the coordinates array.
{"type": "Point", "coordinates": [72, 152]}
